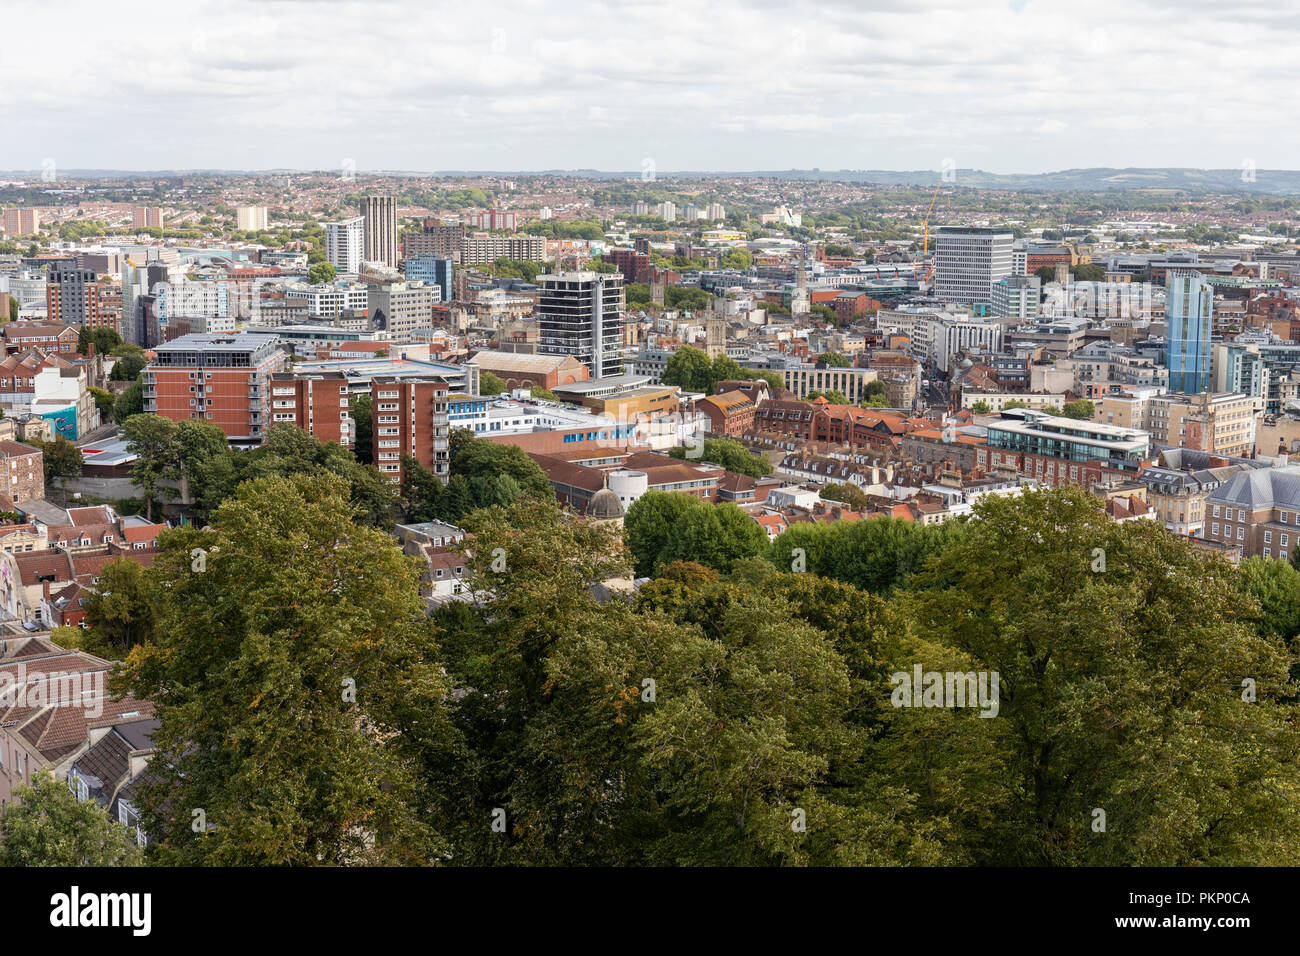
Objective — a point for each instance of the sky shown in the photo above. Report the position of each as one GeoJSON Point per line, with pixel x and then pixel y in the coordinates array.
{"type": "Point", "coordinates": [1022, 86]}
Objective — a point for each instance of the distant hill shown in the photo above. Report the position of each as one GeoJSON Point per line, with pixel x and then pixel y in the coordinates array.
{"type": "Point", "coordinates": [1096, 179]}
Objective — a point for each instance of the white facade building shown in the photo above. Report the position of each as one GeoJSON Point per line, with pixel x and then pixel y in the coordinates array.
{"type": "Point", "coordinates": [968, 260]}
{"type": "Point", "coordinates": [345, 244]}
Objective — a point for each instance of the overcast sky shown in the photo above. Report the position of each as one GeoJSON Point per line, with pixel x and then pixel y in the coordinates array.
{"type": "Point", "coordinates": [1019, 86]}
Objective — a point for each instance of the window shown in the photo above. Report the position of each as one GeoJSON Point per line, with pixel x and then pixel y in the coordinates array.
{"type": "Point", "coordinates": [1241, 533]}
{"type": "Point", "coordinates": [1268, 552]}
{"type": "Point", "coordinates": [1283, 518]}
{"type": "Point", "coordinates": [1268, 537]}
{"type": "Point", "coordinates": [1216, 511]}
{"type": "Point", "coordinates": [1285, 538]}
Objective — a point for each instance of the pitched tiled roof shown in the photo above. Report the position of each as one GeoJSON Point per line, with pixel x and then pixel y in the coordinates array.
{"type": "Point", "coordinates": [34, 565]}
{"type": "Point", "coordinates": [12, 448]}
{"type": "Point", "coordinates": [147, 532]}
{"type": "Point", "coordinates": [95, 514]}
{"type": "Point", "coordinates": [57, 729]}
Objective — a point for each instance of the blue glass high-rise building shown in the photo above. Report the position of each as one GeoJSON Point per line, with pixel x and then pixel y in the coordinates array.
{"type": "Point", "coordinates": [431, 270]}
{"type": "Point", "coordinates": [1189, 312]}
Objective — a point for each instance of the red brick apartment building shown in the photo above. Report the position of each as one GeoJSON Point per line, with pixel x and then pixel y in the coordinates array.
{"type": "Point", "coordinates": [39, 335]}
{"type": "Point", "coordinates": [316, 402]}
{"type": "Point", "coordinates": [410, 418]}
{"type": "Point", "coordinates": [224, 380]}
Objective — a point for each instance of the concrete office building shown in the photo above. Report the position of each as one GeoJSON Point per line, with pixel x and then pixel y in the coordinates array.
{"type": "Point", "coordinates": [579, 314]}
{"type": "Point", "coordinates": [478, 250]}
{"type": "Point", "coordinates": [968, 260]}
{"type": "Point", "coordinates": [1016, 297]}
{"type": "Point", "coordinates": [379, 227]}
{"type": "Point", "coordinates": [402, 307]}
{"type": "Point", "coordinates": [344, 245]}
{"type": "Point", "coordinates": [1240, 369]}
{"type": "Point", "coordinates": [71, 295]}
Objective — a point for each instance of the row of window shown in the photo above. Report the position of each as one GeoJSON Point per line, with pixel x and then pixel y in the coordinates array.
{"type": "Point", "coordinates": [1241, 515]}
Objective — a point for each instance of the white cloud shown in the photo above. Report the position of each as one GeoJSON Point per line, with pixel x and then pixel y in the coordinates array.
{"type": "Point", "coordinates": [763, 84]}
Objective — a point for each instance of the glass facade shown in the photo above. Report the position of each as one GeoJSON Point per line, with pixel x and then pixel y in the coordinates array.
{"type": "Point", "coordinates": [1189, 307]}
{"type": "Point", "coordinates": [1072, 440]}
{"type": "Point", "coordinates": [431, 270]}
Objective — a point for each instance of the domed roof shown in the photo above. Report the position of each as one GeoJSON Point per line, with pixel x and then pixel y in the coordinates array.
{"type": "Point", "coordinates": [604, 506]}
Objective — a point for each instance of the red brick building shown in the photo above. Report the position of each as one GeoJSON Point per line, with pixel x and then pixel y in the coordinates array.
{"type": "Point", "coordinates": [788, 417]}
{"type": "Point", "coordinates": [730, 414]}
{"type": "Point", "coordinates": [316, 402]}
{"type": "Point", "coordinates": [45, 336]}
{"type": "Point", "coordinates": [410, 418]}
{"type": "Point", "coordinates": [528, 370]}
{"type": "Point", "coordinates": [1053, 472]}
{"type": "Point", "coordinates": [224, 380]}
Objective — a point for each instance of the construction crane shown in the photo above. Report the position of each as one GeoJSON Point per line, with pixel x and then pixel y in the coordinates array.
{"type": "Point", "coordinates": [925, 247]}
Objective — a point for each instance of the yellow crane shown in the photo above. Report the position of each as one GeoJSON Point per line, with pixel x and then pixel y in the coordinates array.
{"type": "Point", "coordinates": [925, 247]}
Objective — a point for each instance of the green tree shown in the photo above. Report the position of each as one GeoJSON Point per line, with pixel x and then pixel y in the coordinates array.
{"type": "Point", "coordinates": [663, 527]}
{"type": "Point", "coordinates": [1082, 409]}
{"type": "Point", "coordinates": [980, 408]}
{"type": "Point", "coordinates": [297, 683]}
{"type": "Point", "coordinates": [489, 384]}
{"type": "Point", "coordinates": [877, 555]}
{"type": "Point", "coordinates": [206, 462]}
{"type": "Point", "coordinates": [61, 459]}
{"type": "Point", "coordinates": [13, 309]}
{"type": "Point", "coordinates": [422, 491]}
{"type": "Point", "coordinates": [728, 453]}
{"type": "Point", "coordinates": [153, 440]}
{"type": "Point", "coordinates": [104, 339]}
{"type": "Point", "coordinates": [130, 402]}
{"type": "Point", "coordinates": [120, 611]}
{"type": "Point", "coordinates": [320, 273]}
{"type": "Point", "coordinates": [105, 403]}
{"type": "Point", "coordinates": [47, 826]}
{"type": "Point", "coordinates": [1275, 587]}
{"type": "Point", "coordinates": [1121, 654]}
{"type": "Point", "coordinates": [846, 493]}
{"type": "Point", "coordinates": [289, 451]}
{"type": "Point", "coordinates": [691, 370]}
{"type": "Point", "coordinates": [363, 422]}
{"type": "Point", "coordinates": [834, 360]}
{"type": "Point", "coordinates": [483, 459]}
{"type": "Point", "coordinates": [130, 361]}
